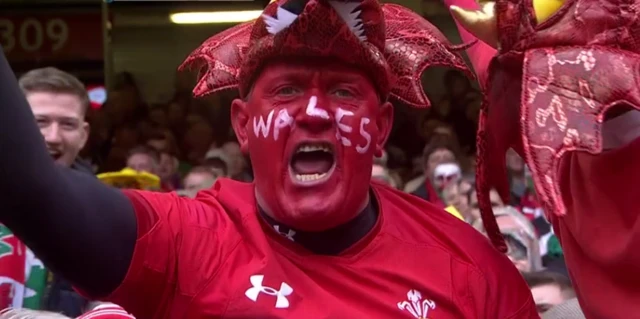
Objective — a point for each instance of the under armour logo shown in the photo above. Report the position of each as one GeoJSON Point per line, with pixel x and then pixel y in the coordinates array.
{"type": "Point", "coordinates": [288, 234]}
{"type": "Point", "coordinates": [281, 295]}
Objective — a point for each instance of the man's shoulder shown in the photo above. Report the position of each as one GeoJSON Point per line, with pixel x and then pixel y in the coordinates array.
{"type": "Point", "coordinates": [417, 221]}
{"type": "Point", "coordinates": [230, 193]}
{"type": "Point", "coordinates": [225, 196]}
{"type": "Point", "coordinates": [490, 277]}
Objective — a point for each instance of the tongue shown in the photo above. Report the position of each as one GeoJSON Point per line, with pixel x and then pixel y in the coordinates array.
{"type": "Point", "coordinates": [312, 163]}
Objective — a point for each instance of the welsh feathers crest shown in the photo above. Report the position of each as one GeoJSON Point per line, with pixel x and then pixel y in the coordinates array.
{"type": "Point", "coordinates": [415, 305]}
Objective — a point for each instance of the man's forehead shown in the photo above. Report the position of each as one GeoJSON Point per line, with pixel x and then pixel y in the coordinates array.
{"type": "Point", "coordinates": [309, 66]}
{"type": "Point", "coordinates": [140, 157]}
{"type": "Point", "coordinates": [56, 105]}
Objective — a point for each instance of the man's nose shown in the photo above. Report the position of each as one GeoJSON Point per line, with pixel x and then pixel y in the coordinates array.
{"type": "Point", "coordinates": [52, 134]}
{"type": "Point", "coordinates": [314, 116]}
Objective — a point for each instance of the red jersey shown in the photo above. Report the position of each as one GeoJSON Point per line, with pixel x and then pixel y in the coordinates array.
{"type": "Point", "coordinates": [600, 234]}
{"type": "Point", "coordinates": [215, 257]}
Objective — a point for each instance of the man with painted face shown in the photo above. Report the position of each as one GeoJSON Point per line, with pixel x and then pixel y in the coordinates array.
{"type": "Point", "coordinates": [312, 237]}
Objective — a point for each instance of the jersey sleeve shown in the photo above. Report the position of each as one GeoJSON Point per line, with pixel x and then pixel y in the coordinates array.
{"type": "Point", "coordinates": [163, 253]}
{"type": "Point", "coordinates": [500, 292]}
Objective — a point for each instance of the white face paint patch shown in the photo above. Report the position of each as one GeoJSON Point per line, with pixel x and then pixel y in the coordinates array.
{"type": "Point", "coordinates": [261, 126]}
{"type": "Point", "coordinates": [313, 110]}
{"type": "Point", "coordinates": [363, 149]}
{"type": "Point", "coordinates": [282, 120]}
{"type": "Point", "coordinates": [344, 128]}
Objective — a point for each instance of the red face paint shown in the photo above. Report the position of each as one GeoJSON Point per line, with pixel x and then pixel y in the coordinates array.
{"type": "Point", "coordinates": [311, 130]}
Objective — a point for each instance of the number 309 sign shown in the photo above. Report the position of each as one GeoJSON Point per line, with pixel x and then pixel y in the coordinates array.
{"type": "Point", "coordinates": [52, 37]}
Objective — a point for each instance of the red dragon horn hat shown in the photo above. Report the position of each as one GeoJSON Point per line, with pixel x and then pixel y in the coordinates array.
{"type": "Point", "coordinates": [392, 43]}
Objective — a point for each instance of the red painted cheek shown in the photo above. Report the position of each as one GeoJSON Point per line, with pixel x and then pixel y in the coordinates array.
{"type": "Point", "coordinates": [272, 125]}
{"type": "Point", "coordinates": [354, 130]}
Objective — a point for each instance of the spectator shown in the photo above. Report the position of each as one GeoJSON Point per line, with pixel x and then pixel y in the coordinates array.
{"type": "Point", "coordinates": [515, 169]}
{"type": "Point", "coordinates": [569, 309]}
{"type": "Point", "coordinates": [126, 107]}
{"type": "Point", "coordinates": [163, 140]}
{"type": "Point", "coordinates": [59, 102]}
{"type": "Point", "coordinates": [238, 164]}
{"type": "Point", "coordinates": [143, 159]}
{"type": "Point", "coordinates": [520, 237]}
{"type": "Point", "coordinates": [158, 116]}
{"type": "Point", "coordinates": [177, 113]}
{"type": "Point", "coordinates": [439, 151]}
{"type": "Point", "coordinates": [446, 174]}
{"type": "Point", "coordinates": [219, 160]}
{"type": "Point", "coordinates": [549, 289]}
{"type": "Point", "coordinates": [200, 178]}
{"type": "Point", "coordinates": [496, 203]}
{"type": "Point", "coordinates": [381, 174]}
{"type": "Point", "coordinates": [169, 166]}
{"type": "Point", "coordinates": [197, 140]}
{"type": "Point", "coordinates": [460, 96]}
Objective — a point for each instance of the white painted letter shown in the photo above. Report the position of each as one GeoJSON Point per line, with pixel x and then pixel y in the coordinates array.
{"type": "Point", "coordinates": [363, 149]}
{"type": "Point", "coordinates": [340, 113]}
{"type": "Point", "coordinates": [261, 126]}
{"type": "Point", "coordinates": [312, 110]}
{"type": "Point", "coordinates": [282, 120]}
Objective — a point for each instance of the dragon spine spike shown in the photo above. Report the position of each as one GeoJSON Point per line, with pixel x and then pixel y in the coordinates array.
{"type": "Point", "coordinates": [346, 10]}
{"type": "Point", "coordinates": [285, 15]}
{"type": "Point", "coordinates": [284, 19]}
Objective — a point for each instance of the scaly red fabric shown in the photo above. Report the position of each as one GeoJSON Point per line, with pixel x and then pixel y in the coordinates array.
{"type": "Point", "coordinates": [549, 86]}
{"type": "Point", "coordinates": [575, 67]}
{"type": "Point", "coordinates": [400, 45]}
{"type": "Point", "coordinates": [560, 78]}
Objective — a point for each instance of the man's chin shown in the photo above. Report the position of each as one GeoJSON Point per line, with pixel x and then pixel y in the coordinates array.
{"type": "Point", "coordinates": [63, 161]}
{"type": "Point", "coordinates": [315, 213]}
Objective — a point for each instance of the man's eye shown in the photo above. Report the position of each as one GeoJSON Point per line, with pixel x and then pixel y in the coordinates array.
{"type": "Point", "coordinates": [342, 93]}
{"type": "Point", "coordinates": [69, 126]}
{"type": "Point", "coordinates": [287, 91]}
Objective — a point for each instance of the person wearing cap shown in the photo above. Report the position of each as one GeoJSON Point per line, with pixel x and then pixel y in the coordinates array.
{"type": "Point", "coordinates": [311, 237]}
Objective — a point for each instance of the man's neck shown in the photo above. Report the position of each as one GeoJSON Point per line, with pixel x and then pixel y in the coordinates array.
{"type": "Point", "coordinates": [331, 241]}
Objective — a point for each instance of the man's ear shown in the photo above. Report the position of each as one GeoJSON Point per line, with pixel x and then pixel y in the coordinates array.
{"type": "Point", "coordinates": [239, 121]}
{"type": "Point", "coordinates": [384, 124]}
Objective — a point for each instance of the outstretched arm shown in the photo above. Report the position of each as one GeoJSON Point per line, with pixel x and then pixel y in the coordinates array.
{"type": "Point", "coordinates": [481, 53]}
{"type": "Point", "coordinates": [80, 228]}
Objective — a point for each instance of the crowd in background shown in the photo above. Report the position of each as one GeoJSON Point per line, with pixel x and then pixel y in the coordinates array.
{"type": "Point", "coordinates": [178, 142]}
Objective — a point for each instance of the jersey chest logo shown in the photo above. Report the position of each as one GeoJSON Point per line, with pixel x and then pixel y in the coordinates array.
{"type": "Point", "coordinates": [416, 305]}
{"type": "Point", "coordinates": [257, 288]}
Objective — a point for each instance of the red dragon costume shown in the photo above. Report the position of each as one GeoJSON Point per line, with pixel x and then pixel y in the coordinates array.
{"type": "Point", "coordinates": [563, 90]}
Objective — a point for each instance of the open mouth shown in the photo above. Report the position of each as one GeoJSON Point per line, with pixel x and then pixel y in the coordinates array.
{"type": "Point", "coordinates": [55, 154]}
{"type": "Point", "coordinates": [312, 163]}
